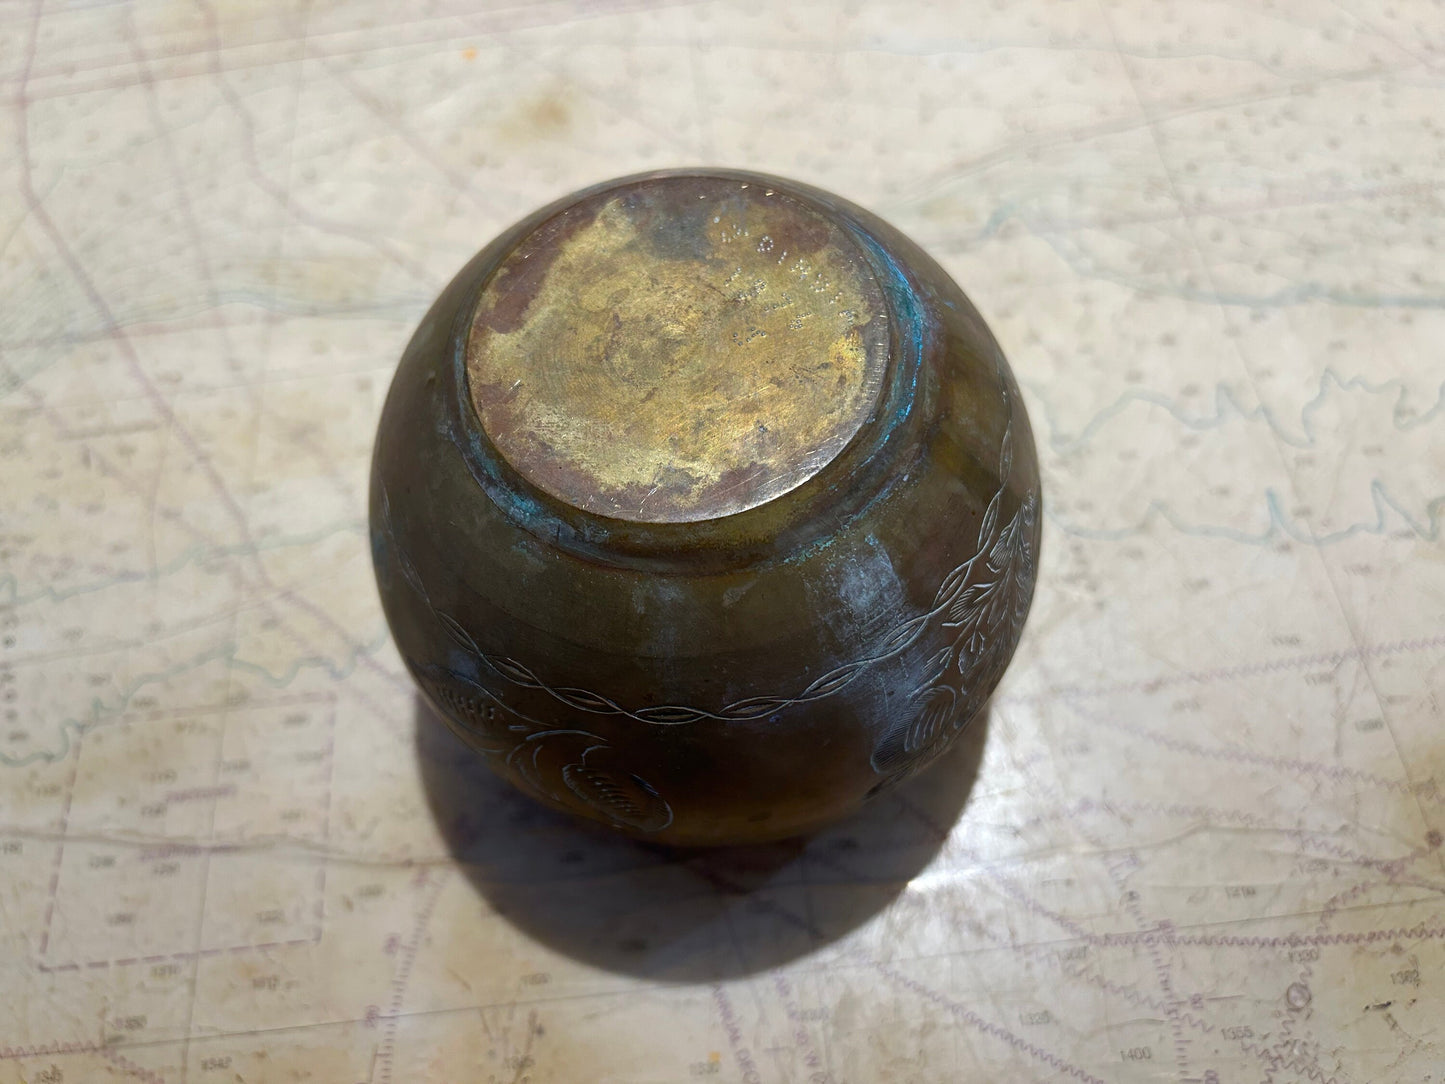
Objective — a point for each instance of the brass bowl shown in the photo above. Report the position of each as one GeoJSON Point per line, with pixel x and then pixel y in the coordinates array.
{"type": "Point", "coordinates": [704, 505]}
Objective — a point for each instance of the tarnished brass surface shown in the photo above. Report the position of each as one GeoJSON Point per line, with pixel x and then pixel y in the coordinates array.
{"type": "Point", "coordinates": [705, 505]}
{"type": "Point", "coordinates": [678, 351]}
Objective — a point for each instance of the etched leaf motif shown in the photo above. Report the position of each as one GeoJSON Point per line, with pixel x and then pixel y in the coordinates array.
{"type": "Point", "coordinates": [953, 581]}
{"type": "Point", "coordinates": [990, 619]}
{"type": "Point", "coordinates": [586, 700]}
{"type": "Point", "coordinates": [403, 559]}
{"type": "Point", "coordinates": [459, 635]}
{"type": "Point", "coordinates": [619, 795]}
{"type": "Point", "coordinates": [902, 636]}
{"type": "Point", "coordinates": [1005, 550]}
{"type": "Point", "coordinates": [832, 681]}
{"type": "Point", "coordinates": [1006, 454]}
{"type": "Point", "coordinates": [969, 605]}
{"type": "Point", "coordinates": [990, 521]}
{"type": "Point", "coordinates": [514, 671]}
{"type": "Point", "coordinates": [755, 707]}
{"type": "Point", "coordinates": [669, 714]}
{"type": "Point", "coordinates": [1025, 561]}
{"type": "Point", "coordinates": [939, 664]}
{"type": "Point", "coordinates": [409, 572]}
{"type": "Point", "coordinates": [970, 653]}
{"type": "Point", "coordinates": [934, 715]}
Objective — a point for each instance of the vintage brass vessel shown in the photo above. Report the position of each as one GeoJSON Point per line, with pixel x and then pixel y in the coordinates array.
{"type": "Point", "coordinates": [704, 504]}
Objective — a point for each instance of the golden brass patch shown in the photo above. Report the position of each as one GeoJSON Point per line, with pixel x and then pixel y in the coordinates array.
{"type": "Point", "coordinates": [678, 350]}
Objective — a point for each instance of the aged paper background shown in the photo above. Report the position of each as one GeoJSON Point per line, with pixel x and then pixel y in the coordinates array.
{"type": "Point", "coordinates": [1204, 840]}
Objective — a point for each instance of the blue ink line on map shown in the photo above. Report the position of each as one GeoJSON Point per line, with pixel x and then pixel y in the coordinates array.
{"type": "Point", "coordinates": [1280, 524]}
{"type": "Point", "coordinates": [1227, 408]}
{"type": "Point", "coordinates": [10, 588]}
{"type": "Point", "coordinates": [102, 713]}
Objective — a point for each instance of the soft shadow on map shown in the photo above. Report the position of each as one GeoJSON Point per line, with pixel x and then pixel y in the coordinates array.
{"type": "Point", "coordinates": [684, 915]}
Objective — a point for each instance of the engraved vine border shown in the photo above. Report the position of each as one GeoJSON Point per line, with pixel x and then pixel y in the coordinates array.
{"type": "Point", "coordinates": [750, 708]}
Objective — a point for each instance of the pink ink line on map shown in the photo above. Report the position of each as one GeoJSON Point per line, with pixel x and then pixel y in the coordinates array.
{"type": "Point", "coordinates": [1233, 755]}
{"type": "Point", "coordinates": [229, 950]}
{"type": "Point", "coordinates": [60, 849]}
{"type": "Point", "coordinates": [399, 982]}
{"type": "Point", "coordinates": [10, 1053]}
{"type": "Point", "coordinates": [966, 1015]}
{"type": "Point", "coordinates": [59, 1049]}
{"type": "Point", "coordinates": [330, 759]}
{"type": "Point", "coordinates": [1168, 935]}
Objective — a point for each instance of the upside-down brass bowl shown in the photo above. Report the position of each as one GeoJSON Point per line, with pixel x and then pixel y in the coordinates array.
{"type": "Point", "coordinates": [704, 505]}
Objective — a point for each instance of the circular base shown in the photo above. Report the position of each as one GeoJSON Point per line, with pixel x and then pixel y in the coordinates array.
{"type": "Point", "coordinates": [678, 348]}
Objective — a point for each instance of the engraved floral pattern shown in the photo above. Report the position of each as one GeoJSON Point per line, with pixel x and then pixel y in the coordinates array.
{"type": "Point", "coordinates": [984, 603]}
{"type": "Point", "coordinates": [571, 767]}
{"type": "Point", "coordinates": [979, 607]}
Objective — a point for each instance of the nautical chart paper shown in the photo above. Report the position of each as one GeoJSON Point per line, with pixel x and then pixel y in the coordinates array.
{"type": "Point", "coordinates": [1204, 840]}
